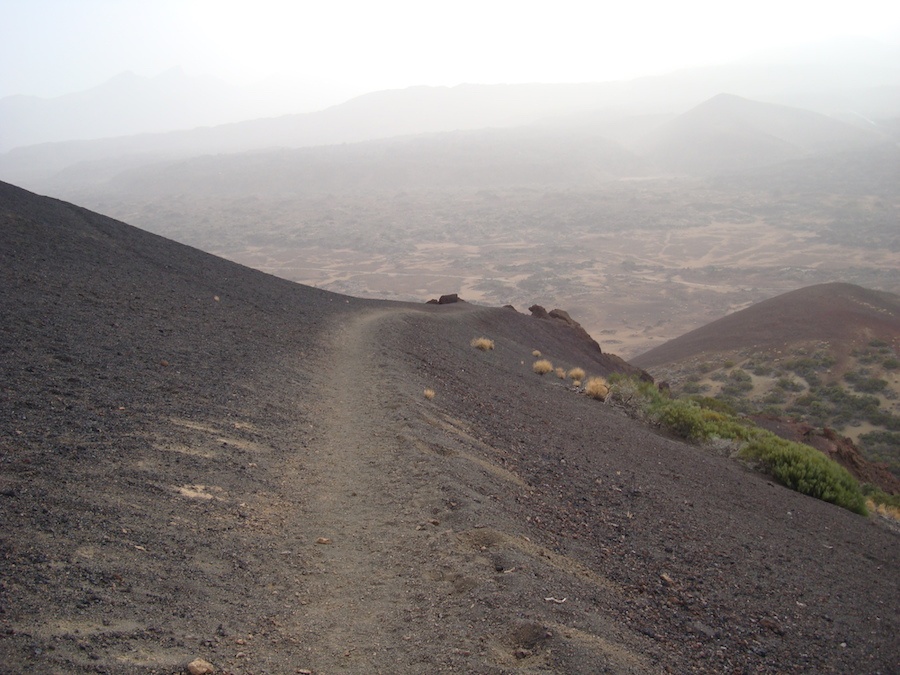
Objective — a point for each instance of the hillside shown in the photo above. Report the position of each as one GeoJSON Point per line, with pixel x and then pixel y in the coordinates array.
{"type": "Point", "coordinates": [203, 461]}
{"type": "Point", "coordinates": [839, 312]}
{"type": "Point", "coordinates": [480, 160]}
{"type": "Point", "coordinates": [733, 134]}
{"type": "Point", "coordinates": [825, 355]}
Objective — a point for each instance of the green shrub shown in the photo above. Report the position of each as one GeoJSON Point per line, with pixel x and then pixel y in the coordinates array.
{"type": "Point", "coordinates": [710, 403]}
{"type": "Point", "coordinates": [806, 470]}
{"type": "Point", "coordinates": [882, 446]}
{"type": "Point", "coordinates": [739, 383]}
{"type": "Point", "coordinates": [774, 398]}
{"type": "Point", "coordinates": [808, 367]}
{"type": "Point", "coordinates": [737, 389]}
{"type": "Point", "coordinates": [799, 467]}
{"type": "Point", "coordinates": [891, 363]}
{"type": "Point", "coordinates": [862, 383]}
{"type": "Point", "coordinates": [788, 384]}
{"type": "Point", "coordinates": [689, 420]}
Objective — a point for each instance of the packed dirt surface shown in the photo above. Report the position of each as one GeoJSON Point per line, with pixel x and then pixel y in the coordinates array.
{"type": "Point", "coordinates": [198, 460]}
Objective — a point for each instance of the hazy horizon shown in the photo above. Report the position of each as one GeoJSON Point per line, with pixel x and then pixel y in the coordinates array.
{"type": "Point", "coordinates": [57, 47]}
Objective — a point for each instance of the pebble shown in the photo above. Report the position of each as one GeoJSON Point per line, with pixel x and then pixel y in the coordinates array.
{"type": "Point", "coordinates": [200, 667]}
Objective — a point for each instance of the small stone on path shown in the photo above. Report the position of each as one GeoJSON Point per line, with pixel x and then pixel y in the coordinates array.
{"type": "Point", "coordinates": [200, 667]}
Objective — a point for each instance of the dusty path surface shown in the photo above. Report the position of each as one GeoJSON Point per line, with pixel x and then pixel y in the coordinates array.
{"type": "Point", "coordinates": [358, 512]}
{"type": "Point", "coordinates": [411, 571]}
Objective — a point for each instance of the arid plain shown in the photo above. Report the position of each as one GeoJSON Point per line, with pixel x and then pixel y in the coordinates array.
{"type": "Point", "coordinates": [637, 262]}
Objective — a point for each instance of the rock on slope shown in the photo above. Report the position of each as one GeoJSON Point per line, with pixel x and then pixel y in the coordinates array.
{"type": "Point", "coordinates": [201, 461]}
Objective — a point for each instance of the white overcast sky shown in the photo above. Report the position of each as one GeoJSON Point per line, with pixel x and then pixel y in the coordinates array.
{"type": "Point", "coordinates": [53, 47]}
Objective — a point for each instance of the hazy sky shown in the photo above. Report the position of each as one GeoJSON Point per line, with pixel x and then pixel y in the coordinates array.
{"type": "Point", "coordinates": [52, 47]}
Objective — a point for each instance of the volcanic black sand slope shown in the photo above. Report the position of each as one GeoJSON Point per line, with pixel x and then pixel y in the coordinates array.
{"type": "Point", "coordinates": [201, 461]}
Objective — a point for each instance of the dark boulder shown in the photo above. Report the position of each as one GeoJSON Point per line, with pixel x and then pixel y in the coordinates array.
{"type": "Point", "coordinates": [538, 312]}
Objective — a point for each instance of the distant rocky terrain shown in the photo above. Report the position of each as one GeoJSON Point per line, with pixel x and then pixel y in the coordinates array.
{"type": "Point", "coordinates": [202, 461]}
{"type": "Point", "coordinates": [645, 221]}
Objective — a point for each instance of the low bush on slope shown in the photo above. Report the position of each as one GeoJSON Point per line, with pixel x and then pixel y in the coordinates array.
{"type": "Point", "coordinates": [797, 466]}
{"type": "Point", "coordinates": [482, 343]}
{"type": "Point", "coordinates": [805, 469]}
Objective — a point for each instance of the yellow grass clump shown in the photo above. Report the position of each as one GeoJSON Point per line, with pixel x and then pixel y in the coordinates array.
{"type": "Point", "coordinates": [577, 374]}
{"type": "Point", "coordinates": [883, 510]}
{"type": "Point", "coordinates": [560, 373]}
{"type": "Point", "coordinates": [536, 353]}
{"type": "Point", "coordinates": [597, 388]}
{"type": "Point", "coordinates": [429, 394]}
{"type": "Point", "coordinates": [542, 367]}
{"type": "Point", "coordinates": [482, 343]}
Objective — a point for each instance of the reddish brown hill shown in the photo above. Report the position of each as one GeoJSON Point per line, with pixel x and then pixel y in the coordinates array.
{"type": "Point", "coordinates": [838, 313]}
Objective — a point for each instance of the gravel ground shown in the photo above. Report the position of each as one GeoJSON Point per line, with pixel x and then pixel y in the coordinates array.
{"type": "Point", "coordinates": [198, 460]}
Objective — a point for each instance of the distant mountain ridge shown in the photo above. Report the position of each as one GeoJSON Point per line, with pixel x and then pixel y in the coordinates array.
{"type": "Point", "coordinates": [417, 110]}
{"type": "Point", "coordinates": [724, 135]}
{"type": "Point", "coordinates": [130, 104]}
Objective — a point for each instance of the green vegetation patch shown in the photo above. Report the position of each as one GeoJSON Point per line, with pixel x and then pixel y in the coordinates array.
{"type": "Point", "coordinates": [688, 420]}
{"type": "Point", "coordinates": [797, 466]}
{"type": "Point", "coordinates": [806, 470]}
{"type": "Point", "coordinates": [881, 446]}
{"type": "Point", "coordinates": [880, 497]}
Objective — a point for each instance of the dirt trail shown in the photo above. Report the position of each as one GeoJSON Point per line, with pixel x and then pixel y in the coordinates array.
{"type": "Point", "coordinates": [354, 520]}
{"type": "Point", "coordinates": [411, 568]}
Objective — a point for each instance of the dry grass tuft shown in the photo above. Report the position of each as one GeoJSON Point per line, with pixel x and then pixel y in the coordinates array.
{"type": "Point", "coordinates": [560, 373]}
{"type": "Point", "coordinates": [577, 374]}
{"type": "Point", "coordinates": [536, 353]}
{"type": "Point", "coordinates": [482, 343]}
{"type": "Point", "coordinates": [597, 388]}
{"type": "Point", "coordinates": [542, 367]}
{"type": "Point", "coordinates": [429, 394]}
{"type": "Point", "coordinates": [884, 510]}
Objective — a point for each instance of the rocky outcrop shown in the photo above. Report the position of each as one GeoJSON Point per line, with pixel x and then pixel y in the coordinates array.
{"type": "Point", "coordinates": [614, 363]}
{"type": "Point", "coordinates": [562, 315]}
{"type": "Point", "coordinates": [448, 299]}
{"type": "Point", "coordinates": [539, 312]}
